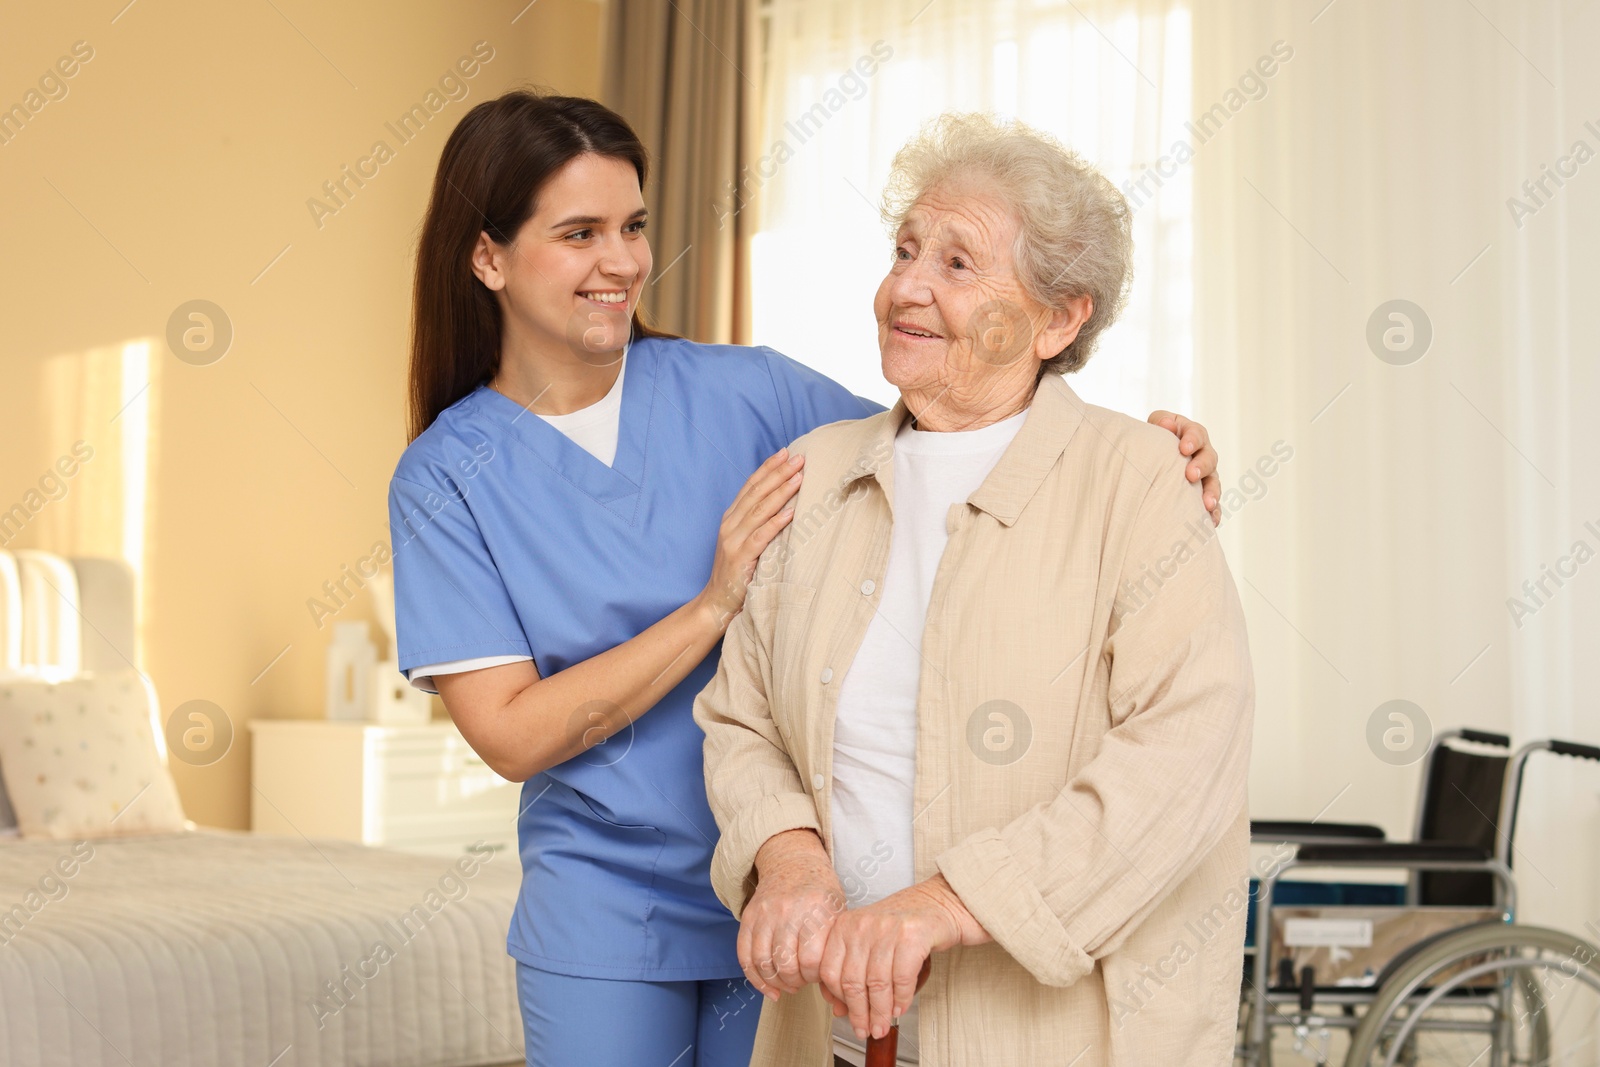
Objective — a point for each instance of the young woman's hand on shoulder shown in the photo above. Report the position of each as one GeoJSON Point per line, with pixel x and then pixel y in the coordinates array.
{"type": "Point", "coordinates": [757, 515]}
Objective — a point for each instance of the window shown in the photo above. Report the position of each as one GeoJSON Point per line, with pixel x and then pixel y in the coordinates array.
{"type": "Point", "coordinates": [846, 84]}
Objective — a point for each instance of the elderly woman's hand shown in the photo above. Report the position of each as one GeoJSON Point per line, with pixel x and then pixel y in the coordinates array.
{"type": "Point", "coordinates": [869, 968]}
{"type": "Point", "coordinates": [1195, 442]}
{"type": "Point", "coordinates": [785, 924]}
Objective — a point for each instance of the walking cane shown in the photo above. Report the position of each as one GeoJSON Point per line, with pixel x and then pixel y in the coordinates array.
{"type": "Point", "coordinates": [882, 1051]}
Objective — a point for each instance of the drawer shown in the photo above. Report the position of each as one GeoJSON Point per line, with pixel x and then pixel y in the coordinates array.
{"type": "Point", "coordinates": [463, 795]}
{"type": "Point", "coordinates": [422, 756]}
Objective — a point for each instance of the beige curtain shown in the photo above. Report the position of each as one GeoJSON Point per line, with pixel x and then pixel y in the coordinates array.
{"type": "Point", "coordinates": [683, 75]}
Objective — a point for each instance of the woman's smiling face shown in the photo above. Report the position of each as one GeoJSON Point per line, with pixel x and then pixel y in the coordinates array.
{"type": "Point", "coordinates": [573, 273]}
{"type": "Point", "coordinates": [954, 320]}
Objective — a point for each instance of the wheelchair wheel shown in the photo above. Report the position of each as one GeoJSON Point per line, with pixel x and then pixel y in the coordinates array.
{"type": "Point", "coordinates": [1489, 996]}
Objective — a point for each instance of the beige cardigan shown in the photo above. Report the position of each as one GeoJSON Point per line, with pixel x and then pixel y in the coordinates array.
{"type": "Point", "coordinates": [1083, 739]}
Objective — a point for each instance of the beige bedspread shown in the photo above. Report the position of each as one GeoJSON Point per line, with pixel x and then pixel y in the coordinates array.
{"type": "Point", "coordinates": [214, 949]}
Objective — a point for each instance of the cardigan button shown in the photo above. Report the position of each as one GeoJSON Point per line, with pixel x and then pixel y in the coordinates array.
{"type": "Point", "coordinates": [827, 675]}
{"type": "Point", "coordinates": [817, 781]}
{"type": "Point", "coordinates": [867, 587]}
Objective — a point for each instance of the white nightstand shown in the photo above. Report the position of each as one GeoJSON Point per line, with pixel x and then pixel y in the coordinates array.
{"type": "Point", "coordinates": [412, 788]}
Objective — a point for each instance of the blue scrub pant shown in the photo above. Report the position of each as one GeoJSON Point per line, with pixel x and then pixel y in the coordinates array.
{"type": "Point", "coordinates": [597, 1022]}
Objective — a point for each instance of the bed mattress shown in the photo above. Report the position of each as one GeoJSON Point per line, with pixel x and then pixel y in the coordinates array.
{"type": "Point", "coordinates": [213, 948]}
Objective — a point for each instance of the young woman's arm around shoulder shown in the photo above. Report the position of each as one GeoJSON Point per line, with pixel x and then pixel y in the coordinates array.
{"type": "Point", "coordinates": [522, 724]}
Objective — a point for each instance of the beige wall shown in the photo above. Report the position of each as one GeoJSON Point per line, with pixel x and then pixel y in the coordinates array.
{"type": "Point", "coordinates": [176, 167]}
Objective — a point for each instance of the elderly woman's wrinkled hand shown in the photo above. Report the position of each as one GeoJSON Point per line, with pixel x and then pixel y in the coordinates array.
{"type": "Point", "coordinates": [785, 924]}
{"type": "Point", "coordinates": [869, 967]}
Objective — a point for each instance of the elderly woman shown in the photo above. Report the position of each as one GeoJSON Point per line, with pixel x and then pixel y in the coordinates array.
{"type": "Point", "coordinates": [989, 699]}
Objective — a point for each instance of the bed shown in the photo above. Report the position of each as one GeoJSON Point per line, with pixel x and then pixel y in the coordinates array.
{"type": "Point", "coordinates": [212, 948]}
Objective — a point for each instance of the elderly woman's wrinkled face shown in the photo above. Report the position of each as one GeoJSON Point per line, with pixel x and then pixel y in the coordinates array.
{"type": "Point", "coordinates": [953, 316]}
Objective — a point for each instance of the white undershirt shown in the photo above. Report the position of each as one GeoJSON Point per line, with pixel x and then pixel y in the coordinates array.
{"type": "Point", "coordinates": [595, 430]}
{"type": "Point", "coordinates": [875, 735]}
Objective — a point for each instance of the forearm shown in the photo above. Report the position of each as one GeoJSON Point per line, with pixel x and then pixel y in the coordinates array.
{"type": "Point", "coordinates": [963, 927]}
{"type": "Point", "coordinates": [554, 719]}
{"type": "Point", "coordinates": [1066, 882]}
{"type": "Point", "coordinates": [763, 810]}
{"type": "Point", "coordinates": [789, 847]}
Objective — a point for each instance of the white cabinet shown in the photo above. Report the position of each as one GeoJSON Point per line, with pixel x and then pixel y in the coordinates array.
{"type": "Point", "coordinates": [412, 788]}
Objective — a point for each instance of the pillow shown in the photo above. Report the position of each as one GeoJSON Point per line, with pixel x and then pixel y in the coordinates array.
{"type": "Point", "coordinates": [81, 759]}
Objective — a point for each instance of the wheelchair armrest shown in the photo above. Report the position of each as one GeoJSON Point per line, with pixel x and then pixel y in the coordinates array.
{"type": "Point", "coordinates": [1393, 853]}
{"type": "Point", "coordinates": [1274, 830]}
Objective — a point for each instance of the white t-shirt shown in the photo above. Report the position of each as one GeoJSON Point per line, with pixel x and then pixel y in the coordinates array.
{"type": "Point", "coordinates": [594, 429]}
{"type": "Point", "coordinates": [875, 735]}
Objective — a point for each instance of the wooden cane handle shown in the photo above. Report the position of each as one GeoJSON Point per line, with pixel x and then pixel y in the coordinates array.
{"type": "Point", "coordinates": [883, 1051]}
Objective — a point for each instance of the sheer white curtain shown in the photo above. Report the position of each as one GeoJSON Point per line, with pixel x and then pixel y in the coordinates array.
{"type": "Point", "coordinates": [1319, 161]}
{"type": "Point", "coordinates": [1377, 564]}
{"type": "Point", "coordinates": [847, 83]}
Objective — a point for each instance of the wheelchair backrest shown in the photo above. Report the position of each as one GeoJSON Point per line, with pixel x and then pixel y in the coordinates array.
{"type": "Point", "coordinates": [1460, 803]}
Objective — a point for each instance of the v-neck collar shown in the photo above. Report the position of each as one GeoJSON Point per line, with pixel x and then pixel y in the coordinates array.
{"type": "Point", "coordinates": [618, 483]}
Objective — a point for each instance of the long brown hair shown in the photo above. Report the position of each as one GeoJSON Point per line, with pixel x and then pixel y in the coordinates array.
{"type": "Point", "coordinates": [493, 166]}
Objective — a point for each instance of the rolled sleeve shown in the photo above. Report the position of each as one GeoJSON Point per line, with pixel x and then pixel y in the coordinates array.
{"type": "Point", "coordinates": [1002, 895]}
{"type": "Point", "coordinates": [734, 862]}
{"type": "Point", "coordinates": [752, 784]}
{"type": "Point", "coordinates": [1068, 881]}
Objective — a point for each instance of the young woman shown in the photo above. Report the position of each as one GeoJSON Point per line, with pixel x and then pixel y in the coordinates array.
{"type": "Point", "coordinates": [574, 523]}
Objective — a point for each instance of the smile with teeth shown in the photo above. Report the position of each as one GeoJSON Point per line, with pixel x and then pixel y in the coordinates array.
{"type": "Point", "coordinates": [913, 332]}
{"type": "Point", "coordinates": [605, 297]}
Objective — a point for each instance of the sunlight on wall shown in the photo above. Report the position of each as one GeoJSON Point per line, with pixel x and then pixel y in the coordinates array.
{"type": "Point", "coordinates": [101, 402]}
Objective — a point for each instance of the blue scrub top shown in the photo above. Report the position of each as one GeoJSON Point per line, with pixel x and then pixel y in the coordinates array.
{"type": "Point", "coordinates": [510, 539]}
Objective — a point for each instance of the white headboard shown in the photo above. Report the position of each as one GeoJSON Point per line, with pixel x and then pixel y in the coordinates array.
{"type": "Point", "coordinates": [60, 617]}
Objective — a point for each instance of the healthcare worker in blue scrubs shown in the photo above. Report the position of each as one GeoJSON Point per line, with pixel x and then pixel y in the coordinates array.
{"type": "Point", "coordinates": [574, 523]}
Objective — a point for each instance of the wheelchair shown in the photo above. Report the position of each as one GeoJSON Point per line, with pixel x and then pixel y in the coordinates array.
{"type": "Point", "coordinates": [1435, 971]}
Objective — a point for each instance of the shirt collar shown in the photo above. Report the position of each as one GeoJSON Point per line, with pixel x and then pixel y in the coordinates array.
{"type": "Point", "coordinates": [1054, 415]}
